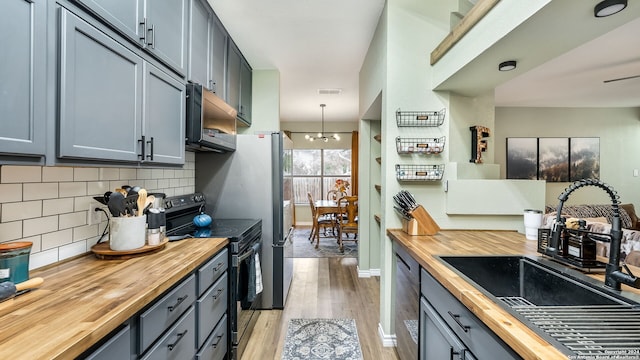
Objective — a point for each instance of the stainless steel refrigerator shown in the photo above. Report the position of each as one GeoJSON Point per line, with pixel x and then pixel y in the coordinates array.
{"type": "Point", "coordinates": [253, 183]}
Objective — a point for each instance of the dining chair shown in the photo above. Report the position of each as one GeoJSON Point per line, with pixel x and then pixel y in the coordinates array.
{"type": "Point", "coordinates": [347, 219]}
{"type": "Point", "coordinates": [324, 221]}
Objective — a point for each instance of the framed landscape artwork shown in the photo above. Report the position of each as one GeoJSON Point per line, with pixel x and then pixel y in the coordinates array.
{"type": "Point", "coordinates": [553, 159]}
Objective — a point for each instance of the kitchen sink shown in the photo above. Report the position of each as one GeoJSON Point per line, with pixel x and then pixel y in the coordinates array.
{"type": "Point", "coordinates": [569, 309]}
{"type": "Point", "coordinates": [535, 281]}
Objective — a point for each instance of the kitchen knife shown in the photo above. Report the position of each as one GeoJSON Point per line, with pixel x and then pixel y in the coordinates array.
{"type": "Point", "coordinates": [9, 289]}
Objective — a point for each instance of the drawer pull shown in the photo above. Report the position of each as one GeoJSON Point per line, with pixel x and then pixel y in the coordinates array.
{"type": "Point", "coordinates": [215, 297]}
{"type": "Point", "coordinates": [452, 352]}
{"type": "Point", "coordinates": [215, 344]}
{"type": "Point", "coordinates": [218, 267]}
{"type": "Point", "coordinates": [456, 318]}
{"type": "Point", "coordinates": [180, 300]}
{"type": "Point", "coordinates": [180, 336]}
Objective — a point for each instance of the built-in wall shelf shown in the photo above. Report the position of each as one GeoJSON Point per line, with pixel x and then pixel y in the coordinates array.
{"type": "Point", "coordinates": [378, 138]}
{"type": "Point", "coordinates": [419, 118]}
{"type": "Point", "coordinates": [420, 145]}
{"type": "Point", "coordinates": [419, 172]}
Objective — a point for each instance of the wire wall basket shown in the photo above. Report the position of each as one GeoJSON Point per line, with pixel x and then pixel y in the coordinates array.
{"type": "Point", "coordinates": [406, 172]}
{"type": "Point", "coordinates": [420, 145]}
{"type": "Point", "coordinates": [419, 118]}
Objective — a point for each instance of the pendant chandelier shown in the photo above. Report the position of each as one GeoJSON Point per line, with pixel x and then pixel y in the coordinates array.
{"type": "Point", "coordinates": [321, 136]}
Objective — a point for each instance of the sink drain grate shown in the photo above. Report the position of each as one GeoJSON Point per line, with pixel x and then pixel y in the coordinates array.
{"type": "Point", "coordinates": [588, 330]}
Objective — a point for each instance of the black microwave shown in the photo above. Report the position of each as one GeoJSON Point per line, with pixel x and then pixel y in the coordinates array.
{"type": "Point", "coordinates": [211, 122]}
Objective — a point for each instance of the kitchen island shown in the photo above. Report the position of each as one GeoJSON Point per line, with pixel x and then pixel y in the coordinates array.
{"type": "Point", "coordinates": [514, 333]}
{"type": "Point", "coordinates": [85, 299]}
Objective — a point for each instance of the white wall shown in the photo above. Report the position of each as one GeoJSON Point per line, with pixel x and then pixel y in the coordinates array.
{"type": "Point", "coordinates": [617, 128]}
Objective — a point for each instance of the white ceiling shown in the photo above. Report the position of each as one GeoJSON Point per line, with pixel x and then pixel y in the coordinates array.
{"type": "Point", "coordinates": [321, 44]}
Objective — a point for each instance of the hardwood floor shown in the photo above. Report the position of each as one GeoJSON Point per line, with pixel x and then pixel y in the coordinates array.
{"type": "Point", "coordinates": [323, 288]}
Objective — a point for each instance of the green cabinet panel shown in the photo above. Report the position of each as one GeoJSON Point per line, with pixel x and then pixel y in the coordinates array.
{"type": "Point", "coordinates": [23, 77]}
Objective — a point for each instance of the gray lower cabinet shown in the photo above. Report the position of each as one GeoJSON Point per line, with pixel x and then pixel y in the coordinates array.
{"type": "Point", "coordinates": [118, 347]}
{"type": "Point", "coordinates": [178, 343]}
{"type": "Point", "coordinates": [114, 105]}
{"type": "Point", "coordinates": [216, 345]}
{"type": "Point", "coordinates": [160, 27]}
{"type": "Point", "coordinates": [448, 330]}
{"type": "Point", "coordinates": [22, 77]}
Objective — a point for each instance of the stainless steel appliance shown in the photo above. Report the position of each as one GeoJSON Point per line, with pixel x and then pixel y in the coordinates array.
{"type": "Point", "coordinates": [407, 305]}
{"type": "Point", "coordinates": [211, 122]}
{"type": "Point", "coordinates": [251, 183]}
{"type": "Point", "coordinates": [244, 242]}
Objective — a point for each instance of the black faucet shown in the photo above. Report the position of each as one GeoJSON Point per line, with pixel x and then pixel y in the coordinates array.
{"type": "Point", "coordinates": [614, 276]}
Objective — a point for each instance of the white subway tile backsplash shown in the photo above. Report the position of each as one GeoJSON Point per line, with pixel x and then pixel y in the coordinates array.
{"type": "Point", "coordinates": [109, 174]}
{"type": "Point", "coordinates": [57, 239]}
{"type": "Point", "coordinates": [43, 258]}
{"type": "Point", "coordinates": [127, 173]}
{"type": "Point", "coordinates": [39, 226]}
{"type": "Point", "coordinates": [69, 189]}
{"type": "Point", "coordinates": [10, 193]}
{"type": "Point", "coordinates": [38, 191]}
{"type": "Point", "coordinates": [73, 249]}
{"type": "Point", "coordinates": [20, 174]}
{"type": "Point", "coordinates": [96, 188]}
{"type": "Point", "coordinates": [86, 174]}
{"type": "Point", "coordinates": [57, 174]}
{"type": "Point", "coordinates": [49, 205]}
{"type": "Point", "coordinates": [10, 231]}
{"type": "Point", "coordinates": [86, 232]}
{"type": "Point", "coordinates": [57, 206]}
{"type": "Point", "coordinates": [21, 210]}
{"type": "Point", "coordinates": [66, 221]}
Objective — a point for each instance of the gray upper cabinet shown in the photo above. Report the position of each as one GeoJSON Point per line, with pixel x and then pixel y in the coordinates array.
{"type": "Point", "coordinates": [164, 117]}
{"type": "Point", "coordinates": [158, 26]}
{"type": "Point", "coordinates": [239, 83]}
{"type": "Point", "coordinates": [115, 106]}
{"type": "Point", "coordinates": [22, 77]}
{"type": "Point", "coordinates": [218, 56]}
{"type": "Point", "coordinates": [100, 94]}
{"type": "Point", "coordinates": [123, 14]}
{"type": "Point", "coordinates": [200, 22]}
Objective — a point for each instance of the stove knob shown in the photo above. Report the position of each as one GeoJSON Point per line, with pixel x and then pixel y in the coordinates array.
{"type": "Point", "coordinates": [198, 198]}
{"type": "Point", "coordinates": [168, 204]}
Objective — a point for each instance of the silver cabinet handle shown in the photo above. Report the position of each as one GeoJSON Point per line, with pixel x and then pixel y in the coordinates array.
{"type": "Point", "coordinates": [150, 155]}
{"type": "Point", "coordinates": [142, 145]}
{"type": "Point", "coordinates": [153, 36]}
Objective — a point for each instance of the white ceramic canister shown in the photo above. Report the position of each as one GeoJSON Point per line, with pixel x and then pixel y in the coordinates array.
{"type": "Point", "coordinates": [532, 222]}
{"type": "Point", "coordinates": [127, 232]}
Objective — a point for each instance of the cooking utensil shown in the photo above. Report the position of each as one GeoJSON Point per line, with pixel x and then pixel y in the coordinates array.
{"type": "Point", "coordinates": [142, 200]}
{"type": "Point", "coordinates": [122, 191]}
{"type": "Point", "coordinates": [106, 197]}
{"type": "Point", "coordinates": [116, 204]}
{"type": "Point", "coordinates": [9, 289]}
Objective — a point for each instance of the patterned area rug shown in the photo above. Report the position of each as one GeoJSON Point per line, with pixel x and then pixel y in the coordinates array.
{"type": "Point", "coordinates": [335, 339]}
{"type": "Point", "coordinates": [303, 248]}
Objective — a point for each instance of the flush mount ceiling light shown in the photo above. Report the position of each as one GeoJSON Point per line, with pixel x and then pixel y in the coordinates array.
{"type": "Point", "coordinates": [507, 65]}
{"type": "Point", "coordinates": [321, 136]}
{"type": "Point", "coordinates": [609, 7]}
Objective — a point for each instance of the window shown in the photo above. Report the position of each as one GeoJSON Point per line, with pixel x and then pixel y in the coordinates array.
{"type": "Point", "coordinates": [316, 171]}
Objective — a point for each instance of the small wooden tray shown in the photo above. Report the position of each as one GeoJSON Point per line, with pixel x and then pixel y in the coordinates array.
{"type": "Point", "coordinates": [103, 251]}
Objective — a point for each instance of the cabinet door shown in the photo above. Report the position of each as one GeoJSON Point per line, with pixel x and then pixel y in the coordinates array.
{"type": "Point", "coordinates": [164, 117]}
{"type": "Point", "coordinates": [218, 56]}
{"type": "Point", "coordinates": [244, 113]}
{"type": "Point", "coordinates": [437, 341]}
{"type": "Point", "coordinates": [100, 94]}
{"type": "Point", "coordinates": [200, 43]}
{"type": "Point", "coordinates": [166, 35]}
{"type": "Point", "coordinates": [22, 77]}
{"type": "Point", "coordinates": [233, 75]}
{"type": "Point", "coordinates": [122, 14]}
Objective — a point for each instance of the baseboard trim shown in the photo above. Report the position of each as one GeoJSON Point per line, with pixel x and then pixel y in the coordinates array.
{"type": "Point", "coordinates": [387, 340]}
{"type": "Point", "coordinates": [368, 273]}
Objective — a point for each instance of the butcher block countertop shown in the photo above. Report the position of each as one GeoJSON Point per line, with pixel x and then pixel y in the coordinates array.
{"type": "Point", "coordinates": [84, 299]}
{"type": "Point", "coordinates": [449, 242]}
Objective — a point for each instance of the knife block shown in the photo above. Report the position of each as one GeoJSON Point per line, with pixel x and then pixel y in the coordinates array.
{"type": "Point", "coordinates": [421, 224]}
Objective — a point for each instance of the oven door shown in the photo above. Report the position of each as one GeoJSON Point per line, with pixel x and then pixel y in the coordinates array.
{"type": "Point", "coordinates": [248, 294]}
